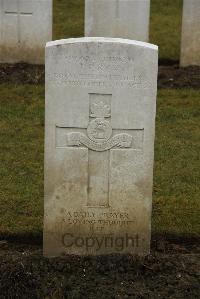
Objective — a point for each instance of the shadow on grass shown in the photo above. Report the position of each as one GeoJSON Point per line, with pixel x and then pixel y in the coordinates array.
{"type": "Point", "coordinates": [23, 238]}
{"type": "Point", "coordinates": [159, 241]}
{"type": "Point", "coordinates": [168, 62]}
{"type": "Point", "coordinates": [170, 242]}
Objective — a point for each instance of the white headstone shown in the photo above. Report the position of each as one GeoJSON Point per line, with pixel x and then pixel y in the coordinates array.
{"type": "Point", "coordinates": [190, 44]}
{"type": "Point", "coordinates": [117, 18]}
{"type": "Point", "coordinates": [25, 27]}
{"type": "Point", "coordinates": [99, 146]}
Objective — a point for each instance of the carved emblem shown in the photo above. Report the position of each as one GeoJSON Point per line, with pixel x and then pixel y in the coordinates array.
{"type": "Point", "coordinates": [99, 110]}
{"type": "Point", "coordinates": [99, 132]}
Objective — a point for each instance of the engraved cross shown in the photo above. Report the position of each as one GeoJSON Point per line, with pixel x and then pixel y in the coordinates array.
{"type": "Point", "coordinates": [99, 138]}
{"type": "Point", "coordinates": [18, 13]}
{"type": "Point", "coordinates": [117, 9]}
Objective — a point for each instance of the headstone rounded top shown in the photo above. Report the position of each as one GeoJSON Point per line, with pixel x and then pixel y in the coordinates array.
{"type": "Point", "coordinates": [118, 18]}
{"type": "Point", "coordinates": [99, 145]}
{"type": "Point", "coordinates": [101, 40]}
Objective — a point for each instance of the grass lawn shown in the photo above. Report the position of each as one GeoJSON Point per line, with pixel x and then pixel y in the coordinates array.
{"type": "Point", "coordinates": [176, 175]}
{"type": "Point", "coordinates": [165, 24]}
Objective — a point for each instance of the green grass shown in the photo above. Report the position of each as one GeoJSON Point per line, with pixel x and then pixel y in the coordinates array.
{"type": "Point", "coordinates": [176, 175]}
{"type": "Point", "coordinates": [68, 18]}
{"type": "Point", "coordinates": [177, 162]}
{"type": "Point", "coordinates": [165, 27]}
{"type": "Point", "coordinates": [21, 156]}
{"type": "Point", "coordinates": [176, 172]}
{"type": "Point", "coordinates": [165, 24]}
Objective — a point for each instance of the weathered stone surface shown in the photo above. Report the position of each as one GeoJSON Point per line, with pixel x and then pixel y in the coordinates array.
{"type": "Point", "coordinates": [99, 146]}
{"type": "Point", "coordinates": [25, 27]}
{"type": "Point", "coordinates": [190, 44]}
{"type": "Point", "coordinates": [117, 18]}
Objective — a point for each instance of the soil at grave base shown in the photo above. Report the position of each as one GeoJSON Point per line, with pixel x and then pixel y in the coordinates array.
{"type": "Point", "coordinates": [169, 76]}
{"type": "Point", "coordinates": [171, 271]}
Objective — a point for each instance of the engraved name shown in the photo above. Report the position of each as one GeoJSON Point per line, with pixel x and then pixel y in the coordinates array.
{"type": "Point", "coordinates": [95, 80]}
{"type": "Point", "coordinates": [90, 71]}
